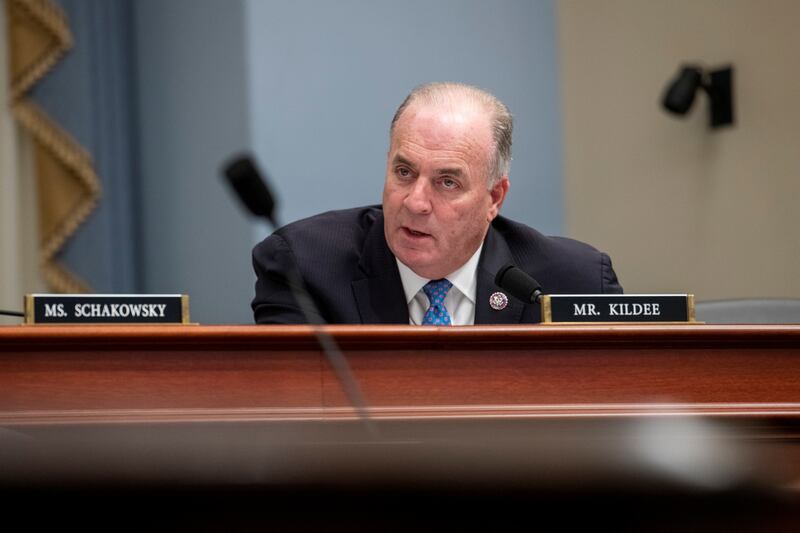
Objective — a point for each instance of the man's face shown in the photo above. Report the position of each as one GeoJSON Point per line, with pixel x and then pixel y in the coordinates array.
{"type": "Point", "coordinates": [436, 204]}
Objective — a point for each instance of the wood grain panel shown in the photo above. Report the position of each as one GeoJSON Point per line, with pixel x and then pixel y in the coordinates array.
{"type": "Point", "coordinates": [259, 371]}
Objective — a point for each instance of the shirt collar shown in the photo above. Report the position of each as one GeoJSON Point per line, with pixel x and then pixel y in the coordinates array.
{"type": "Point", "coordinates": [464, 278]}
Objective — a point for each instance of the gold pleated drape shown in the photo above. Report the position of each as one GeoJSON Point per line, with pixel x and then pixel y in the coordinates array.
{"type": "Point", "coordinates": [67, 186]}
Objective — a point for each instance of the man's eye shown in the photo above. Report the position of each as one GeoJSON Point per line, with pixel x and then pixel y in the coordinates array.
{"type": "Point", "coordinates": [403, 172]}
{"type": "Point", "coordinates": [448, 183]}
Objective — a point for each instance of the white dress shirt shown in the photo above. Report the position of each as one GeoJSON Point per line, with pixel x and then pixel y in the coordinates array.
{"type": "Point", "coordinates": [460, 299]}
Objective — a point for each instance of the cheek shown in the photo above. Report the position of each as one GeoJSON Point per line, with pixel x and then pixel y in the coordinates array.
{"type": "Point", "coordinates": [469, 222]}
{"type": "Point", "coordinates": [457, 225]}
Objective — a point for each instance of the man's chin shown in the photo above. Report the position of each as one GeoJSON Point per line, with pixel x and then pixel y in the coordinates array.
{"type": "Point", "coordinates": [420, 258]}
{"type": "Point", "coordinates": [423, 267]}
{"type": "Point", "coordinates": [415, 261]}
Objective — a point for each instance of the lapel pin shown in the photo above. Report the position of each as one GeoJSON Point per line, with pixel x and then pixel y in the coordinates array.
{"type": "Point", "coordinates": [498, 301]}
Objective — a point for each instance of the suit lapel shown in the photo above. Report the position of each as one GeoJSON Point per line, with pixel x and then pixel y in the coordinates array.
{"type": "Point", "coordinates": [379, 295]}
{"type": "Point", "coordinates": [377, 287]}
{"type": "Point", "coordinates": [496, 254]}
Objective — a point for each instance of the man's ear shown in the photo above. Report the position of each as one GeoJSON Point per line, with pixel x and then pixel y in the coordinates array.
{"type": "Point", "coordinates": [498, 194]}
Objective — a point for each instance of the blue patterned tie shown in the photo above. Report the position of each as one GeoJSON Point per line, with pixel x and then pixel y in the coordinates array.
{"type": "Point", "coordinates": [436, 315]}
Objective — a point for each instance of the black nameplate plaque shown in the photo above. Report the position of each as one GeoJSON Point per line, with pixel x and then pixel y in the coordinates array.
{"type": "Point", "coordinates": [583, 308]}
{"type": "Point", "coordinates": [106, 309]}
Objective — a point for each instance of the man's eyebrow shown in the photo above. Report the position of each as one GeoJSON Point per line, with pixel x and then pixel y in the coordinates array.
{"type": "Point", "coordinates": [449, 171]}
{"type": "Point", "coordinates": [454, 171]}
{"type": "Point", "coordinates": [403, 161]}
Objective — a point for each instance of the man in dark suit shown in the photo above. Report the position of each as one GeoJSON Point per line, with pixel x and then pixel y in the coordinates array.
{"type": "Point", "coordinates": [430, 253]}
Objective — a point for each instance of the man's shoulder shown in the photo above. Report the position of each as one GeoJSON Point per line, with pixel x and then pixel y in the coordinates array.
{"type": "Point", "coordinates": [325, 250]}
{"type": "Point", "coordinates": [525, 239]}
{"type": "Point", "coordinates": [326, 234]}
{"type": "Point", "coordinates": [560, 264]}
{"type": "Point", "coordinates": [342, 222]}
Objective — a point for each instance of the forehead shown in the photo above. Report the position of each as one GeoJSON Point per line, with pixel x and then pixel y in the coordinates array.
{"type": "Point", "coordinates": [443, 130]}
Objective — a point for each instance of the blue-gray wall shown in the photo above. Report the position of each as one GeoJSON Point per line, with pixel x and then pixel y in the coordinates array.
{"type": "Point", "coordinates": [192, 116]}
{"type": "Point", "coordinates": [311, 87]}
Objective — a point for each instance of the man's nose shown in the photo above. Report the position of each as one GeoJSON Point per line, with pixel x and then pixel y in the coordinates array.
{"type": "Point", "coordinates": [418, 200]}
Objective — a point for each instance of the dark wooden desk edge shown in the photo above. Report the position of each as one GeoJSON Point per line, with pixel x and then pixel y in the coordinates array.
{"type": "Point", "coordinates": [260, 337]}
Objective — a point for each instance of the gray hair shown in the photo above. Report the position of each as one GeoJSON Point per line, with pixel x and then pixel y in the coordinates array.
{"type": "Point", "coordinates": [501, 120]}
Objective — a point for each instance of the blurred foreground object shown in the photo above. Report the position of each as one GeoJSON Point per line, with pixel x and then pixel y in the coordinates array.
{"type": "Point", "coordinates": [654, 427]}
{"type": "Point", "coordinates": [245, 179]}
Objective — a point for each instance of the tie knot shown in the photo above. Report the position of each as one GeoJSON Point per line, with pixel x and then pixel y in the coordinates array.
{"type": "Point", "coordinates": [436, 290]}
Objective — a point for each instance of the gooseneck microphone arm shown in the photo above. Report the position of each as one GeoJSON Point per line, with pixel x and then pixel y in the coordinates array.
{"type": "Point", "coordinates": [11, 313]}
{"type": "Point", "coordinates": [521, 286]}
{"type": "Point", "coordinates": [254, 193]}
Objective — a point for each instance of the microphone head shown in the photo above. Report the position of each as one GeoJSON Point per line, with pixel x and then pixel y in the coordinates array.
{"type": "Point", "coordinates": [518, 283]}
{"type": "Point", "coordinates": [246, 180]}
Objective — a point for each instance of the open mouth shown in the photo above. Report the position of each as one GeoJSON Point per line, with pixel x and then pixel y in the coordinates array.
{"type": "Point", "coordinates": [415, 233]}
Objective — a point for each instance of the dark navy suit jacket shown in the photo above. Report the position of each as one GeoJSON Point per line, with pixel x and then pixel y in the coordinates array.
{"type": "Point", "coordinates": [348, 269]}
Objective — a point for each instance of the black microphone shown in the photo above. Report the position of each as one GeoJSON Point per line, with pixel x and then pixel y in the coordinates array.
{"type": "Point", "coordinates": [11, 313]}
{"type": "Point", "coordinates": [519, 284]}
{"type": "Point", "coordinates": [252, 190]}
{"type": "Point", "coordinates": [246, 180]}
